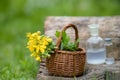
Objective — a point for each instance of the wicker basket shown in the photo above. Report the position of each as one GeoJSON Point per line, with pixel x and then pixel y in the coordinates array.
{"type": "Point", "coordinates": [66, 63]}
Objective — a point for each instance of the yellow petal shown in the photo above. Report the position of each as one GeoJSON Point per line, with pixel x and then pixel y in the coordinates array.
{"type": "Point", "coordinates": [38, 37]}
{"type": "Point", "coordinates": [37, 49]}
{"type": "Point", "coordinates": [28, 34]}
{"type": "Point", "coordinates": [43, 46]}
{"type": "Point", "coordinates": [38, 32]}
{"type": "Point", "coordinates": [45, 43]}
{"type": "Point", "coordinates": [34, 34]}
{"type": "Point", "coordinates": [38, 58]}
{"type": "Point", "coordinates": [49, 40]}
{"type": "Point", "coordinates": [42, 50]}
{"type": "Point", "coordinates": [33, 54]}
{"type": "Point", "coordinates": [31, 48]}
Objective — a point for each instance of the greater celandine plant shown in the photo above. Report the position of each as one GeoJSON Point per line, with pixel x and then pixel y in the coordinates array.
{"type": "Point", "coordinates": [40, 46]}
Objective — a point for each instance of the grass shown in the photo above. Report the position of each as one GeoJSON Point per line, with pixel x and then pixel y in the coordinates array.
{"type": "Point", "coordinates": [17, 17]}
{"type": "Point", "coordinates": [15, 60]}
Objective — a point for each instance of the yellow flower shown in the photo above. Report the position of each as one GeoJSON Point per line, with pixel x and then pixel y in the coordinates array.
{"type": "Point", "coordinates": [34, 34]}
{"type": "Point", "coordinates": [38, 58]}
{"type": "Point", "coordinates": [45, 43]}
{"type": "Point", "coordinates": [46, 40]}
{"type": "Point", "coordinates": [37, 49]}
{"type": "Point", "coordinates": [43, 38]}
{"type": "Point", "coordinates": [33, 54]}
{"type": "Point", "coordinates": [29, 35]}
{"type": "Point", "coordinates": [38, 38]}
{"type": "Point", "coordinates": [38, 32]}
{"type": "Point", "coordinates": [49, 39]}
{"type": "Point", "coordinates": [31, 48]}
{"type": "Point", "coordinates": [42, 50]}
{"type": "Point", "coordinates": [31, 42]}
{"type": "Point", "coordinates": [43, 46]}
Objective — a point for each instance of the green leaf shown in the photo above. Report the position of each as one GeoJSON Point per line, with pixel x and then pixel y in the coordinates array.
{"type": "Point", "coordinates": [57, 34]}
{"type": "Point", "coordinates": [64, 35]}
{"type": "Point", "coordinates": [65, 43]}
{"type": "Point", "coordinates": [78, 40]}
{"type": "Point", "coordinates": [62, 46]}
{"type": "Point", "coordinates": [65, 38]}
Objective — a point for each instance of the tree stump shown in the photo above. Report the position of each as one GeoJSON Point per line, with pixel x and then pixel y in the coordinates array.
{"type": "Point", "coordinates": [109, 27]}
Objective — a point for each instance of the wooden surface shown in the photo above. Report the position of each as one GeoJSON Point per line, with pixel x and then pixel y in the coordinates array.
{"type": "Point", "coordinates": [92, 72]}
{"type": "Point", "coordinates": [109, 27]}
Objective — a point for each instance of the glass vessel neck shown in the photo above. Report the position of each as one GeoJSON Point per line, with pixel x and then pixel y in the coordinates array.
{"type": "Point", "coordinates": [94, 30]}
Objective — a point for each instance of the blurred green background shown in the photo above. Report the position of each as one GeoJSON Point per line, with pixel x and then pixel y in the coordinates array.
{"type": "Point", "coordinates": [17, 17]}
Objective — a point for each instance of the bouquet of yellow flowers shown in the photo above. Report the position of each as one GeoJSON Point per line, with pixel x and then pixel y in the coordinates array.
{"type": "Point", "coordinates": [40, 46]}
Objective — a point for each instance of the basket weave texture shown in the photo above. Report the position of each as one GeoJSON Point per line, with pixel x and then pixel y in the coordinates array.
{"type": "Point", "coordinates": [66, 63]}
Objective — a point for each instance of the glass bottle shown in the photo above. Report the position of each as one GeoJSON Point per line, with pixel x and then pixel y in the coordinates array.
{"type": "Point", "coordinates": [109, 51]}
{"type": "Point", "coordinates": [96, 53]}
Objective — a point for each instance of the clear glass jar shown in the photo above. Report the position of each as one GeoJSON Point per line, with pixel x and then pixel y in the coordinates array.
{"type": "Point", "coordinates": [96, 53]}
{"type": "Point", "coordinates": [109, 51]}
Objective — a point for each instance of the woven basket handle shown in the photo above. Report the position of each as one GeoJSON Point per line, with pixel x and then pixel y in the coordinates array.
{"type": "Point", "coordinates": [64, 29]}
